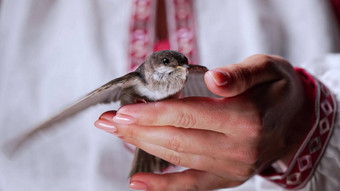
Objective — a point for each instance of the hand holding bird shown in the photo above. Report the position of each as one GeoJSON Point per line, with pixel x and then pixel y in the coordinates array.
{"type": "Point", "coordinates": [263, 116]}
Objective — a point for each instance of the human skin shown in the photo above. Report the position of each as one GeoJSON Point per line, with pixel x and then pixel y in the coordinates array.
{"type": "Point", "coordinates": [263, 117]}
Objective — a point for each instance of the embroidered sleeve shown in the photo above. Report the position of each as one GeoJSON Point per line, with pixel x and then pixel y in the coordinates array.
{"type": "Point", "coordinates": [302, 166]}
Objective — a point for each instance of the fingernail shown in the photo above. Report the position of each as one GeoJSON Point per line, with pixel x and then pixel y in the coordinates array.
{"type": "Point", "coordinates": [105, 125]}
{"type": "Point", "coordinates": [220, 78]}
{"type": "Point", "coordinates": [123, 119]}
{"type": "Point", "coordinates": [140, 101]}
{"type": "Point", "coordinates": [137, 185]}
{"type": "Point", "coordinates": [108, 115]}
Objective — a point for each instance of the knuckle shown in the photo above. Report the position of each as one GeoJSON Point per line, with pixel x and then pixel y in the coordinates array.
{"type": "Point", "coordinates": [252, 157]}
{"type": "Point", "coordinates": [185, 120]}
{"type": "Point", "coordinates": [245, 173]}
{"type": "Point", "coordinates": [249, 156]}
{"type": "Point", "coordinates": [173, 158]}
{"type": "Point", "coordinates": [253, 127]}
{"type": "Point", "coordinates": [258, 56]}
{"type": "Point", "coordinates": [255, 130]}
{"type": "Point", "coordinates": [265, 62]}
{"type": "Point", "coordinates": [265, 59]}
{"type": "Point", "coordinates": [255, 133]}
{"type": "Point", "coordinates": [174, 143]}
{"type": "Point", "coordinates": [276, 64]}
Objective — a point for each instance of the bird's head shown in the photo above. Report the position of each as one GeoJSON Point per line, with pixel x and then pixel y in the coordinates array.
{"type": "Point", "coordinates": [167, 63]}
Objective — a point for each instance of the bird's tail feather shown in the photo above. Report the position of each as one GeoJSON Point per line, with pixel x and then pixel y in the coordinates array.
{"type": "Point", "coordinates": [145, 162]}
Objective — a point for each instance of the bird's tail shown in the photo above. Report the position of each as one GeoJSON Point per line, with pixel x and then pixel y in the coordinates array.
{"type": "Point", "coordinates": [145, 162]}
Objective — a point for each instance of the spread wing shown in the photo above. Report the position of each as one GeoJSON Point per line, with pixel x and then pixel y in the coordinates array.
{"type": "Point", "coordinates": [195, 85]}
{"type": "Point", "coordinates": [109, 92]}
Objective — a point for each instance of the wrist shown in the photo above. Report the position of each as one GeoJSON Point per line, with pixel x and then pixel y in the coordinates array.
{"type": "Point", "coordinates": [304, 119]}
{"type": "Point", "coordinates": [310, 136]}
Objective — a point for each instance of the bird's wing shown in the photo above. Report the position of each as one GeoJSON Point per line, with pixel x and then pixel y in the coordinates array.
{"type": "Point", "coordinates": [195, 85]}
{"type": "Point", "coordinates": [109, 92]}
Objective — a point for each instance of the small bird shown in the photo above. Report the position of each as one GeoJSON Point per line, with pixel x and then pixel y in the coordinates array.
{"type": "Point", "coordinates": [164, 74]}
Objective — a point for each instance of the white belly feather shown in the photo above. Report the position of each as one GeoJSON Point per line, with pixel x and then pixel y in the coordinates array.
{"type": "Point", "coordinates": [154, 94]}
{"type": "Point", "coordinates": [167, 84]}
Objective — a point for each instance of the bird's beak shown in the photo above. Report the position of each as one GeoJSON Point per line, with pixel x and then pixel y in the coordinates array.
{"type": "Point", "coordinates": [183, 66]}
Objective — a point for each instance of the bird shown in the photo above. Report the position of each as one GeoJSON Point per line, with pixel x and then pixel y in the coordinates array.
{"type": "Point", "coordinates": [163, 75]}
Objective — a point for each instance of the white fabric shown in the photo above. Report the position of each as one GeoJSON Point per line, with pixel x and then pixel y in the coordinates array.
{"type": "Point", "coordinates": [53, 52]}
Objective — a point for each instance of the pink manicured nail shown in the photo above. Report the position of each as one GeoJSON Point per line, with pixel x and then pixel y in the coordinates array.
{"type": "Point", "coordinates": [108, 115]}
{"type": "Point", "coordinates": [137, 185]}
{"type": "Point", "coordinates": [123, 119]}
{"type": "Point", "coordinates": [105, 125]}
{"type": "Point", "coordinates": [221, 78]}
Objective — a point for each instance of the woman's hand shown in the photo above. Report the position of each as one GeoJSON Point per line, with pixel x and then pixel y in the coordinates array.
{"type": "Point", "coordinates": [263, 117]}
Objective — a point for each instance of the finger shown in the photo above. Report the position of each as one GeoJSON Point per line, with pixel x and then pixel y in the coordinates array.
{"type": "Point", "coordinates": [186, 180]}
{"type": "Point", "coordinates": [108, 115]}
{"type": "Point", "coordinates": [239, 168]}
{"type": "Point", "coordinates": [197, 113]}
{"type": "Point", "coordinates": [176, 139]}
{"type": "Point", "coordinates": [190, 141]}
{"type": "Point", "coordinates": [105, 122]}
{"type": "Point", "coordinates": [234, 79]}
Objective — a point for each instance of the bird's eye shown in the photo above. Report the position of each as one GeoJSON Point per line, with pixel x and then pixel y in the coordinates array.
{"type": "Point", "coordinates": [166, 61]}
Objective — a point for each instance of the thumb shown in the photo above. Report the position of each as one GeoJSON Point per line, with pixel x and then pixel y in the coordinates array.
{"type": "Point", "coordinates": [234, 79]}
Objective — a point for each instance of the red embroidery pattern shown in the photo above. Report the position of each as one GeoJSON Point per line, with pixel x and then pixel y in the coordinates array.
{"type": "Point", "coordinates": [181, 26]}
{"type": "Point", "coordinates": [306, 159]}
{"type": "Point", "coordinates": [141, 32]}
